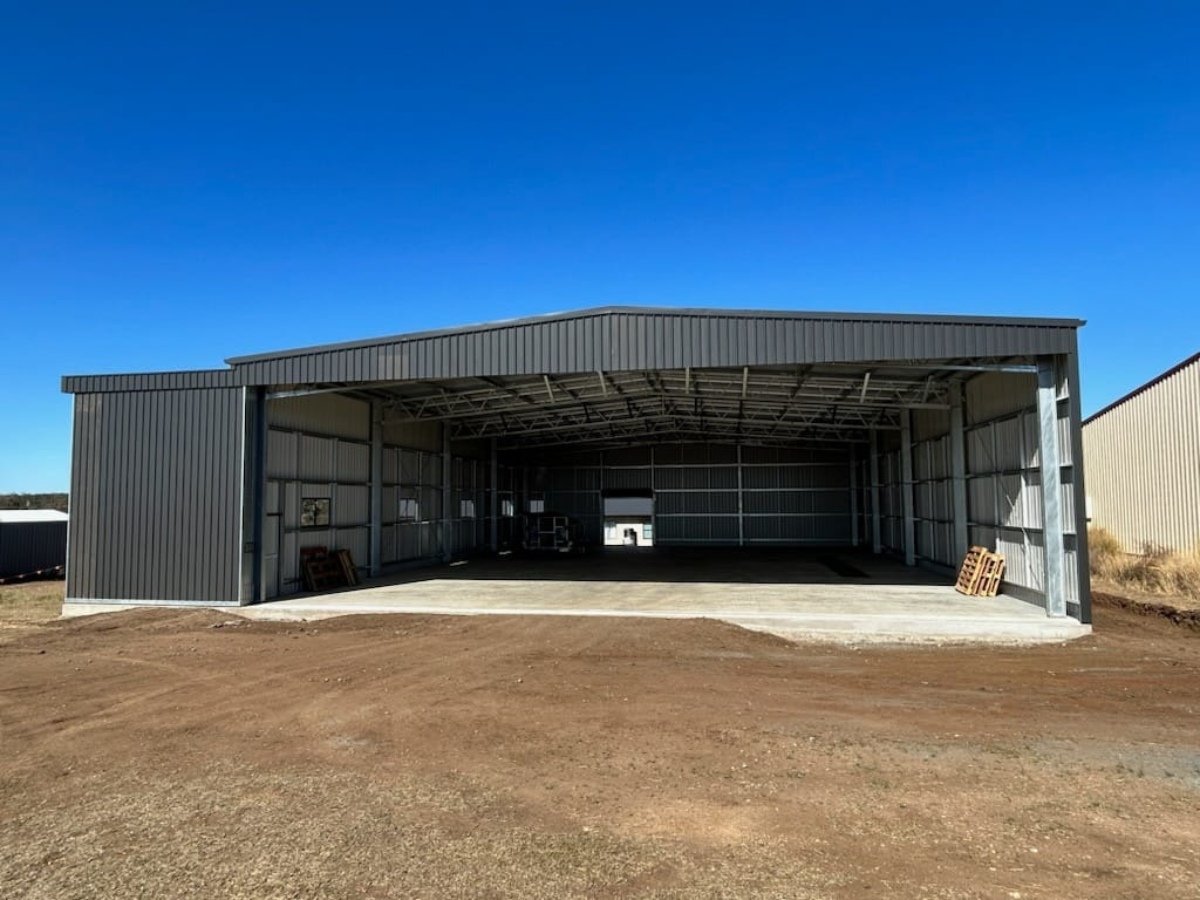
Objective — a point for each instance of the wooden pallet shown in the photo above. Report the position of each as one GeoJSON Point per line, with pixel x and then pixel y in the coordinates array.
{"type": "Point", "coordinates": [991, 573]}
{"type": "Point", "coordinates": [968, 575]}
{"type": "Point", "coordinates": [981, 573]}
{"type": "Point", "coordinates": [349, 570]}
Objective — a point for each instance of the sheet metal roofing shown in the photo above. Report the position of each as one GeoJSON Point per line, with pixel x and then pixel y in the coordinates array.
{"type": "Point", "coordinates": [614, 339]}
{"type": "Point", "coordinates": [1141, 389]}
{"type": "Point", "coordinates": [8, 516]}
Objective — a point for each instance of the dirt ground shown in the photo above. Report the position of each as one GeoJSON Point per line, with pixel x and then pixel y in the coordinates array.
{"type": "Point", "coordinates": [188, 753]}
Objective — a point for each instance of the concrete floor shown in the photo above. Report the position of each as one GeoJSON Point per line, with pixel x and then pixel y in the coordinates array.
{"type": "Point", "coordinates": [838, 596]}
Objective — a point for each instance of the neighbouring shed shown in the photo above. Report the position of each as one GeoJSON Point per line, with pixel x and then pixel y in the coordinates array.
{"type": "Point", "coordinates": [32, 541]}
{"type": "Point", "coordinates": [1143, 462]}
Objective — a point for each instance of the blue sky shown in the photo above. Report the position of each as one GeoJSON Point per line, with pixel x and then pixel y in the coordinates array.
{"type": "Point", "coordinates": [184, 182]}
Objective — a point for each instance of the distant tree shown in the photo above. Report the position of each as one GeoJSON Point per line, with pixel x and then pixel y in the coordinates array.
{"type": "Point", "coordinates": [34, 501]}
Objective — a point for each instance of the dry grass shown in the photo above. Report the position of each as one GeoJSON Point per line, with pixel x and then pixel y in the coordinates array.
{"type": "Point", "coordinates": [1155, 570]}
{"type": "Point", "coordinates": [30, 602]}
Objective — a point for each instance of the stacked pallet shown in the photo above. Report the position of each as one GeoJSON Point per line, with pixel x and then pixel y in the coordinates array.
{"type": "Point", "coordinates": [981, 573]}
{"type": "Point", "coordinates": [324, 570]}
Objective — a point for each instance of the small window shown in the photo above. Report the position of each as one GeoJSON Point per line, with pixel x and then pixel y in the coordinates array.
{"type": "Point", "coordinates": [537, 506]}
{"type": "Point", "coordinates": [410, 510]}
{"type": "Point", "coordinates": [506, 509]}
{"type": "Point", "coordinates": [314, 512]}
{"type": "Point", "coordinates": [466, 509]}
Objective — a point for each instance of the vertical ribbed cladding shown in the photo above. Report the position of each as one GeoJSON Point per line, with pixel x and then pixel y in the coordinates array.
{"type": "Point", "coordinates": [154, 485]}
{"type": "Point", "coordinates": [616, 340]}
{"type": "Point", "coordinates": [1142, 457]}
{"type": "Point", "coordinates": [27, 547]}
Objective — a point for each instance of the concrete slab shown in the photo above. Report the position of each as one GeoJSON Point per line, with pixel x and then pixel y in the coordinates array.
{"type": "Point", "coordinates": [848, 599]}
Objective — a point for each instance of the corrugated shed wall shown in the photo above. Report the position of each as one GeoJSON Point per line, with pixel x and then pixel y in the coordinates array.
{"type": "Point", "coordinates": [319, 447]}
{"type": "Point", "coordinates": [933, 499]}
{"type": "Point", "coordinates": [787, 496]}
{"type": "Point", "coordinates": [27, 547]}
{"type": "Point", "coordinates": [1004, 484]}
{"type": "Point", "coordinates": [155, 496]}
{"type": "Point", "coordinates": [1142, 461]}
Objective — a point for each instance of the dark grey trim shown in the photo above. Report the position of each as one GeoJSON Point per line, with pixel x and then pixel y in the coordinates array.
{"type": "Point", "coordinates": [1082, 561]}
{"type": "Point", "coordinates": [149, 381]}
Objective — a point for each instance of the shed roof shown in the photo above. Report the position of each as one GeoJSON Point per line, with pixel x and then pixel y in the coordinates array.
{"type": "Point", "coordinates": [1141, 389]}
{"type": "Point", "coordinates": [8, 516]}
{"type": "Point", "coordinates": [615, 339]}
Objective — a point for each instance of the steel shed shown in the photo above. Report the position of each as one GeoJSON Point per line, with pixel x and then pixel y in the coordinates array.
{"type": "Point", "coordinates": [32, 541]}
{"type": "Point", "coordinates": [1143, 453]}
{"type": "Point", "coordinates": [911, 435]}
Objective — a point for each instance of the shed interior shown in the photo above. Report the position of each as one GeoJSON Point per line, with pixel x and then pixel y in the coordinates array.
{"type": "Point", "coordinates": [918, 460]}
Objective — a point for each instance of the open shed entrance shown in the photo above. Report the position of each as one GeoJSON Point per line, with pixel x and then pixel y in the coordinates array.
{"type": "Point", "coordinates": [914, 461]}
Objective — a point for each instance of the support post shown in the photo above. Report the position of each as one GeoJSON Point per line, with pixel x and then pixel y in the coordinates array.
{"type": "Point", "coordinates": [876, 524]}
{"type": "Point", "coordinates": [741, 505]}
{"type": "Point", "coordinates": [1052, 514]}
{"type": "Point", "coordinates": [906, 488]}
{"type": "Point", "coordinates": [258, 496]}
{"type": "Point", "coordinates": [853, 498]}
{"type": "Point", "coordinates": [447, 521]}
{"type": "Point", "coordinates": [494, 539]}
{"type": "Point", "coordinates": [958, 472]}
{"type": "Point", "coordinates": [1083, 578]}
{"type": "Point", "coordinates": [376, 488]}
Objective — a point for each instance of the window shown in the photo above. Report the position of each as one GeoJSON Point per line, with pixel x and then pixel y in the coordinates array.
{"type": "Point", "coordinates": [537, 506]}
{"type": "Point", "coordinates": [410, 509]}
{"type": "Point", "coordinates": [466, 509]}
{"type": "Point", "coordinates": [506, 509]}
{"type": "Point", "coordinates": [314, 512]}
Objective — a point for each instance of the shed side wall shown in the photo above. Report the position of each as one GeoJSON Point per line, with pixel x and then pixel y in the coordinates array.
{"type": "Point", "coordinates": [1143, 465]}
{"type": "Point", "coordinates": [27, 547]}
{"type": "Point", "coordinates": [155, 487]}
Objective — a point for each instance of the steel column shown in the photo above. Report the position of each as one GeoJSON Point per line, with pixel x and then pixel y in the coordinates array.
{"type": "Point", "coordinates": [958, 472]}
{"type": "Point", "coordinates": [853, 498]}
{"type": "Point", "coordinates": [258, 496]}
{"type": "Point", "coordinates": [741, 505]}
{"type": "Point", "coordinates": [495, 504]}
{"type": "Point", "coordinates": [876, 524]}
{"type": "Point", "coordinates": [447, 522]}
{"type": "Point", "coordinates": [906, 488]}
{"type": "Point", "coordinates": [1082, 571]}
{"type": "Point", "coordinates": [376, 487]}
{"type": "Point", "coordinates": [1052, 516]}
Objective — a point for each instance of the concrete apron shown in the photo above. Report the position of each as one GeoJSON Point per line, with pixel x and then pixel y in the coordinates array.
{"type": "Point", "coordinates": [842, 613]}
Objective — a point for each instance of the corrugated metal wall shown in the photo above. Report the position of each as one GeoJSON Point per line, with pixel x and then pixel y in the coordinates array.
{"type": "Point", "coordinates": [787, 496]}
{"type": "Point", "coordinates": [319, 446]}
{"type": "Point", "coordinates": [1004, 500]}
{"type": "Point", "coordinates": [1143, 464]}
{"type": "Point", "coordinates": [156, 482]}
{"type": "Point", "coordinates": [27, 547]}
{"type": "Point", "coordinates": [1004, 485]}
{"type": "Point", "coordinates": [933, 498]}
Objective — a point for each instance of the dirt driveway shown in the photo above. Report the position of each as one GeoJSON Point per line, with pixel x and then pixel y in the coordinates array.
{"type": "Point", "coordinates": [169, 753]}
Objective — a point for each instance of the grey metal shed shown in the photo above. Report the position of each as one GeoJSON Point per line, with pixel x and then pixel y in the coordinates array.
{"type": "Point", "coordinates": [914, 435]}
{"type": "Point", "coordinates": [32, 541]}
